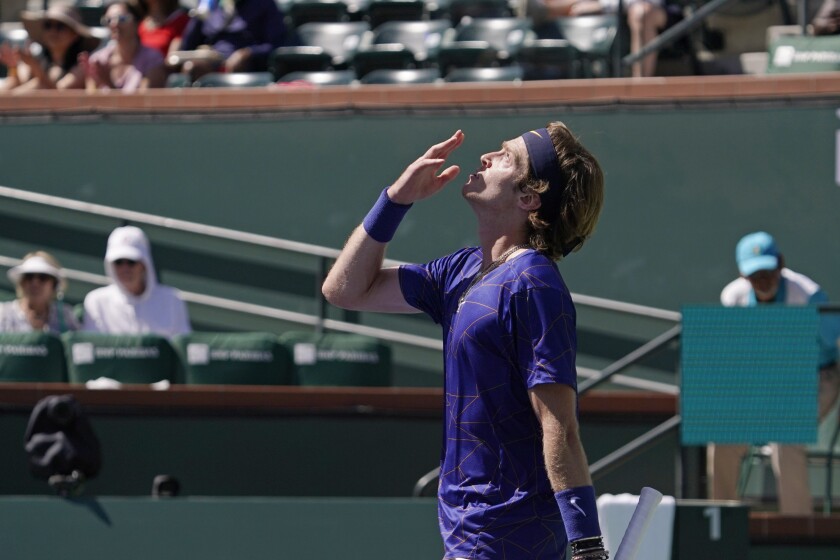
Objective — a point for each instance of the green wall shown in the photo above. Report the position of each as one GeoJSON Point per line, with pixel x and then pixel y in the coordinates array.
{"type": "Point", "coordinates": [684, 181]}
{"type": "Point", "coordinates": [254, 454]}
{"type": "Point", "coordinates": [36, 528]}
{"type": "Point", "coordinates": [216, 528]}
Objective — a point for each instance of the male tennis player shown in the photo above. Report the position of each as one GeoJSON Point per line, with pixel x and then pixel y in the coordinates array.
{"type": "Point", "coordinates": [514, 480]}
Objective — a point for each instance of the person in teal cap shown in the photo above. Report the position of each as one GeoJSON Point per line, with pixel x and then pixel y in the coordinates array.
{"type": "Point", "coordinates": [765, 280]}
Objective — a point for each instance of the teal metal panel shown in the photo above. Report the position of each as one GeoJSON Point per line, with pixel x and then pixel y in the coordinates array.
{"type": "Point", "coordinates": [749, 374]}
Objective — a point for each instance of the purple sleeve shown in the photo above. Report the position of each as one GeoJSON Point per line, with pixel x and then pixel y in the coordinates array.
{"type": "Point", "coordinates": [422, 287]}
{"type": "Point", "coordinates": [543, 324]}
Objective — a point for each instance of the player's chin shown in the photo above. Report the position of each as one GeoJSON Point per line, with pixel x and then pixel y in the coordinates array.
{"type": "Point", "coordinates": [467, 191]}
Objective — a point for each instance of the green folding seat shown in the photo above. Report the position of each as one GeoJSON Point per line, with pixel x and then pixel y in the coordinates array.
{"type": "Point", "coordinates": [34, 356]}
{"type": "Point", "coordinates": [127, 358]}
{"type": "Point", "coordinates": [234, 359]}
{"type": "Point", "coordinates": [339, 359]}
{"type": "Point", "coordinates": [236, 80]}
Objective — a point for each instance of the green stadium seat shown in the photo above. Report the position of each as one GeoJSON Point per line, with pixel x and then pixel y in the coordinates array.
{"type": "Point", "coordinates": [307, 11]}
{"type": "Point", "coordinates": [91, 11]}
{"type": "Point", "coordinates": [79, 312]}
{"type": "Point", "coordinates": [412, 76]}
{"type": "Point", "coordinates": [483, 43]}
{"type": "Point", "coordinates": [499, 74]}
{"type": "Point", "coordinates": [592, 36]}
{"type": "Point", "coordinates": [35, 357]}
{"type": "Point", "coordinates": [144, 359]}
{"type": "Point", "coordinates": [235, 79]}
{"type": "Point", "coordinates": [14, 34]}
{"type": "Point", "coordinates": [396, 45]}
{"type": "Point", "coordinates": [339, 359]}
{"type": "Point", "coordinates": [178, 80]}
{"type": "Point", "coordinates": [322, 78]}
{"type": "Point", "coordinates": [319, 46]}
{"type": "Point", "coordinates": [478, 9]}
{"type": "Point", "coordinates": [382, 11]}
{"type": "Point", "coordinates": [234, 359]}
{"type": "Point", "coordinates": [548, 59]}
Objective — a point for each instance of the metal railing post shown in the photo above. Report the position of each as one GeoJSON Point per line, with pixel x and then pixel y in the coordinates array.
{"type": "Point", "coordinates": [617, 68]}
{"type": "Point", "coordinates": [630, 359]}
{"type": "Point", "coordinates": [613, 460]}
{"type": "Point", "coordinates": [802, 16]}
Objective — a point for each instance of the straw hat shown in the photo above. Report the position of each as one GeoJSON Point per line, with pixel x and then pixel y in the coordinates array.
{"type": "Point", "coordinates": [33, 22]}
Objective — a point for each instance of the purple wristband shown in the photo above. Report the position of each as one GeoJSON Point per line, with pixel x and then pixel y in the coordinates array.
{"type": "Point", "coordinates": [579, 512]}
{"type": "Point", "coordinates": [383, 219]}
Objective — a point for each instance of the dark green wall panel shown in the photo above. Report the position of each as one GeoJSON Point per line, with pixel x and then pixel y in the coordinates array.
{"type": "Point", "coordinates": [683, 183]}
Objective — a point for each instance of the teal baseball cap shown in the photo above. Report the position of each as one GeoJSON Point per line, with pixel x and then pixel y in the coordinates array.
{"type": "Point", "coordinates": [756, 251]}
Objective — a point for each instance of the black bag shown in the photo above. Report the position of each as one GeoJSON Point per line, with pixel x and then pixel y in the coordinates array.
{"type": "Point", "coordinates": [61, 443]}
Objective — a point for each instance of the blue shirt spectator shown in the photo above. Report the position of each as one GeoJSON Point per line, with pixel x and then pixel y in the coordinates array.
{"type": "Point", "coordinates": [242, 32]}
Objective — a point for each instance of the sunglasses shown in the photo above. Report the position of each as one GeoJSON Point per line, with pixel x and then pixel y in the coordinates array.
{"type": "Point", "coordinates": [30, 276]}
{"type": "Point", "coordinates": [56, 25]}
{"type": "Point", "coordinates": [115, 20]}
{"type": "Point", "coordinates": [124, 262]}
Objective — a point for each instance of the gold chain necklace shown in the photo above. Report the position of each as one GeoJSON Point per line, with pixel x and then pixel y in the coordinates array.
{"type": "Point", "coordinates": [493, 266]}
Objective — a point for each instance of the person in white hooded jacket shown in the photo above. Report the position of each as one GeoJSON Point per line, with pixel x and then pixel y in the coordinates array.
{"type": "Point", "coordinates": [134, 303]}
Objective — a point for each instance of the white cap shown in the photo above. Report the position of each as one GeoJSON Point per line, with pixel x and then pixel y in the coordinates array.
{"type": "Point", "coordinates": [127, 242]}
{"type": "Point", "coordinates": [35, 264]}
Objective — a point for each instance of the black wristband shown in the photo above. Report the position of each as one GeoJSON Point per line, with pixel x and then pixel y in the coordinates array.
{"type": "Point", "coordinates": [590, 548]}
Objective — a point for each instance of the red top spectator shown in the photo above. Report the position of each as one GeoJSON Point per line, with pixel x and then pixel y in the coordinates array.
{"type": "Point", "coordinates": [164, 25]}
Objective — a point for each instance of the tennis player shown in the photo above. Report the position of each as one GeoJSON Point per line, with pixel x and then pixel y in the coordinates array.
{"type": "Point", "coordinates": [514, 480]}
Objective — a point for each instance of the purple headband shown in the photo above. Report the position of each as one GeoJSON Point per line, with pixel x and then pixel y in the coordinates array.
{"type": "Point", "coordinates": [545, 167]}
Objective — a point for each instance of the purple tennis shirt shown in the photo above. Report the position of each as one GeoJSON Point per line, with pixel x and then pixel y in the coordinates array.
{"type": "Point", "coordinates": [514, 329]}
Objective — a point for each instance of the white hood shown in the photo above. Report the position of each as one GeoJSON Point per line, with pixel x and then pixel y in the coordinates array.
{"type": "Point", "coordinates": [129, 242]}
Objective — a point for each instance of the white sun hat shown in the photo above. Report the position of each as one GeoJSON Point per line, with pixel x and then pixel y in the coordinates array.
{"type": "Point", "coordinates": [35, 264]}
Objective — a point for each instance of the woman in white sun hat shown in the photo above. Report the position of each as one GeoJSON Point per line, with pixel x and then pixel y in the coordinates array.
{"type": "Point", "coordinates": [58, 37]}
{"type": "Point", "coordinates": [40, 284]}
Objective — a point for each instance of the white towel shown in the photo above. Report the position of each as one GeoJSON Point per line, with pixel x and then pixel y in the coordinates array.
{"type": "Point", "coordinates": [614, 512]}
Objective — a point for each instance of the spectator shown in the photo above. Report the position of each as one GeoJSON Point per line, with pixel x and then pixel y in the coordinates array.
{"type": "Point", "coordinates": [765, 280]}
{"type": "Point", "coordinates": [134, 303]}
{"type": "Point", "coordinates": [240, 33]}
{"type": "Point", "coordinates": [124, 63]}
{"type": "Point", "coordinates": [40, 284]}
{"type": "Point", "coordinates": [59, 37]}
{"type": "Point", "coordinates": [645, 18]}
{"type": "Point", "coordinates": [543, 11]}
{"type": "Point", "coordinates": [827, 20]}
{"type": "Point", "coordinates": [514, 480]}
{"type": "Point", "coordinates": [163, 26]}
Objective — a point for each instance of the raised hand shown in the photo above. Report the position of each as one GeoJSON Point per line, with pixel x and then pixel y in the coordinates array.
{"type": "Point", "coordinates": [98, 72]}
{"type": "Point", "coordinates": [9, 55]}
{"type": "Point", "coordinates": [421, 179]}
{"type": "Point", "coordinates": [27, 57]}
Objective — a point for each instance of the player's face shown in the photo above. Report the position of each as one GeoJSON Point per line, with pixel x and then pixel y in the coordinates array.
{"type": "Point", "coordinates": [498, 175]}
{"type": "Point", "coordinates": [131, 274]}
{"type": "Point", "coordinates": [38, 289]}
{"type": "Point", "coordinates": [765, 283]}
